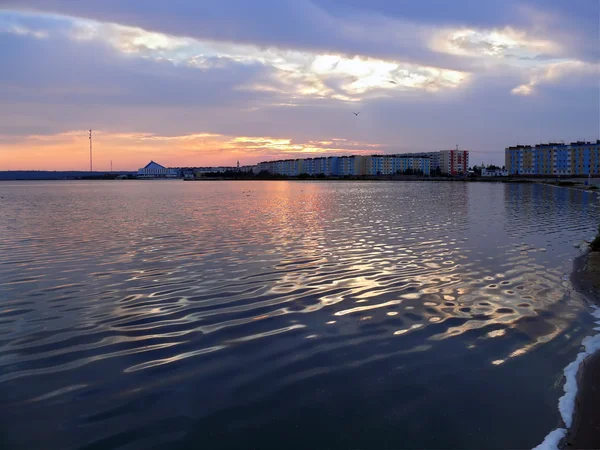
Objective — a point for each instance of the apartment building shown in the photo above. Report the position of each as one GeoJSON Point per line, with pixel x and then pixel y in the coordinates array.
{"type": "Point", "coordinates": [348, 165]}
{"type": "Point", "coordinates": [454, 162]}
{"type": "Point", "coordinates": [576, 158]}
{"type": "Point", "coordinates": [395, 164]}
{"type": "Point", "coordinates": [434, 158]}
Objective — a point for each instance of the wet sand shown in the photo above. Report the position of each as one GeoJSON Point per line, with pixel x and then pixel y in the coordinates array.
{"type": "Point", "coordinates": [585, 430]}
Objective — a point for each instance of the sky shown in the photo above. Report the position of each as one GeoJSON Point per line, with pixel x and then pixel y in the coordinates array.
{"type": "Point", "coordinates": [203, 83]}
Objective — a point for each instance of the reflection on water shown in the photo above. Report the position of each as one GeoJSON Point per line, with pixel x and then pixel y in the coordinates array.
{"type": "Point", "coordinates": [286, 314]}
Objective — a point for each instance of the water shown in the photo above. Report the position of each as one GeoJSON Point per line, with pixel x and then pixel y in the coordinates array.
{"type": "Point", "coordinates": [286, 314]}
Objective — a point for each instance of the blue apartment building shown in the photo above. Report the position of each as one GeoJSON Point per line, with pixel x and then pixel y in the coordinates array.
{"type": "Point", "coordinates": [574, 159]}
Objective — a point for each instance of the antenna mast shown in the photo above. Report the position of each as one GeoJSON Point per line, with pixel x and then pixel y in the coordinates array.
{"type": "Point", "coordinates": [91, 151]}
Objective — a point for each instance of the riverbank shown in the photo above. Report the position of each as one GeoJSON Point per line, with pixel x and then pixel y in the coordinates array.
{"type": "Point", "coordinates": [584, 431]}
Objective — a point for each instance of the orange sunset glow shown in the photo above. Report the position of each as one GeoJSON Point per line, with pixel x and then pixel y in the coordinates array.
{"type": "Point", "coordinates": [129, 151]}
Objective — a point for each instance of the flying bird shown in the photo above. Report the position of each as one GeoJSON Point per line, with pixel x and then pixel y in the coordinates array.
{"type": "Point", "coordinates": [356, 114]}
{"type": "Point", "coordinates": [392, 81]}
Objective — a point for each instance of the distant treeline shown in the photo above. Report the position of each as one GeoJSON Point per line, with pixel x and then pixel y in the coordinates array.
{"type": "Point", "coordinates": [61, 175]}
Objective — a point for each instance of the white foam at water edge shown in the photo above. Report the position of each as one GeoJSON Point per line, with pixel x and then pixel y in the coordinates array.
{"type": "Point", "coordinates": [552, 440]}
{"type": "Point", "coordinates": [566, 404]}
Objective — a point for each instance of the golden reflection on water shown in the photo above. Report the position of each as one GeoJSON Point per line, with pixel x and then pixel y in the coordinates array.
{"type": "Point", "coordinates": [367, 308]}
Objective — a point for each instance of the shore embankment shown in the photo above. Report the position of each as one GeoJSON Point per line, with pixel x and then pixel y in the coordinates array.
{"type": "Point", "coordinates": [573, 185]}
{"type": "Point", "coordinates": [584, 430]}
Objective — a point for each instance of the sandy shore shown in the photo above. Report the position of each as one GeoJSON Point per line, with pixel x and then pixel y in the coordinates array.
{"type": "Point", "coordinates": [585, 430]}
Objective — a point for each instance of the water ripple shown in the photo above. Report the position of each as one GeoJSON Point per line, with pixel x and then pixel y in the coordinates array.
{"type": "Point", "coordinates": [195, 299]}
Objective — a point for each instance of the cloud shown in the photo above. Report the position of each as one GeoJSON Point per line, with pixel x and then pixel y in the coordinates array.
{"type": "Point", "coordinates": [524, 89]}
{"type": "Point", "coordinates": [494, 43]}
{"type": "Point", "coordinates": [572, 71]}
{"type": "Point", "coordinates": [294, 25]}
{"type": "Point", "coordinates": [24, 31]}
{"type": "Point", "coordinates": [18, 25]}
{"type": "Point", "coordinates": [59, 69]}
{"type": "Point", "coordinates": [292, 73]}
{"type": "Point", "coordinates": [572, 24]}
{"type": "Point", "coordinates": [296, 73]}
{"type": "Point", "coordinates": [326, 74]}
{"type": "Point", "coordinates": [378, 28]}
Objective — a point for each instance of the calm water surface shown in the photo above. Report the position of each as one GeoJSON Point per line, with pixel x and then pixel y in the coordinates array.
{"type": "Point", "coordinates": [178, 315]}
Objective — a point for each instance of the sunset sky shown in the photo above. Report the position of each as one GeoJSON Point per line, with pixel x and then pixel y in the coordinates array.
{"type": "Point", "coordinates": [198, 83]}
